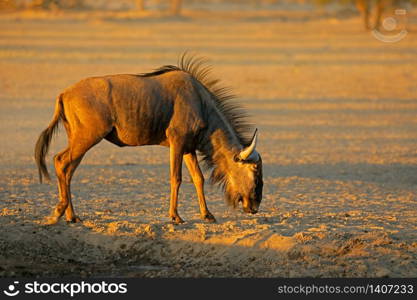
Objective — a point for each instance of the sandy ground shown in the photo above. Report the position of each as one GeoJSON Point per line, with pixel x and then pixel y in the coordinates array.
{"type": "Point", "coordinates": [336, 110]}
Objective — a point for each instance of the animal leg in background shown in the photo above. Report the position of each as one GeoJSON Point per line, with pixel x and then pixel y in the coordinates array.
{"type": "Point", "coordinates": [364, 8]}
{"type": "Point", "coordinates": [191, 162]}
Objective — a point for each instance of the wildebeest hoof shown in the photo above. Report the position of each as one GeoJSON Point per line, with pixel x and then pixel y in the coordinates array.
{"type": "Point", "coordinates": [177, 220]}
{"type": "Point", "coordinates": [209, 218]}
{"type": "Point", "coordinates": [74, 220]}
{"type": "Point", "coordinates": [51, 220]}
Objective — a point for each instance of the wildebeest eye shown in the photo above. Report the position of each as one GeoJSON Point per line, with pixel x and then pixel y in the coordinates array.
{"type": "Point", "coordinates": [236, 159]}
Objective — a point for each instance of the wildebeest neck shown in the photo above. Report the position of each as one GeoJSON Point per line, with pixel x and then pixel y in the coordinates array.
{"type": "Point", "coordinates": [218, 147]}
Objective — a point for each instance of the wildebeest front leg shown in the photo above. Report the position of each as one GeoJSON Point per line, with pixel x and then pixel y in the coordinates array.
{"type": "Point", "coordinates": [175, 153]}
{"type": "Point", "coordinates": [198, 180]}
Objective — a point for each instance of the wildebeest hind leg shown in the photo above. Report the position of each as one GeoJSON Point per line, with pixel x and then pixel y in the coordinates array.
{"type": "Point", "coordinates": [61, 161]}
{"type": "Point", "coordinates": [69, 212]}
{"type": "Point", "coordinates": [65, 164]}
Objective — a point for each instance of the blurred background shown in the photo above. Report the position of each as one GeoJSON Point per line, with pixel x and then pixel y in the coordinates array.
{"type": "Point", "coordinates": [183, 7]}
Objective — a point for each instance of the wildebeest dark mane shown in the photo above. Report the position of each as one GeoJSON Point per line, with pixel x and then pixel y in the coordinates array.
{"type": "Point", "coordinates": [159, 71]}
{"type": "Point", "coordinates": [223, 98]}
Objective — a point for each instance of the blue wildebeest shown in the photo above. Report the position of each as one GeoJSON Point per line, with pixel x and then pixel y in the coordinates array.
{"type": "Point", "coordinates": [175, 106]}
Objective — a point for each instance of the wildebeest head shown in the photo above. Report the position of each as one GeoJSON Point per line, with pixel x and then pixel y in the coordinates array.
{"type": "Point", "coordinates": [245, 179]}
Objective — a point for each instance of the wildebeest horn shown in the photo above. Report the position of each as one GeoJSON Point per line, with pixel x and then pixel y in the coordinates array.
{"type": "Point", "coordinates": [249, 153]}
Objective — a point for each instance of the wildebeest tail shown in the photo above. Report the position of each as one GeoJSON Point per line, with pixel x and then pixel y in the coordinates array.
{"type": "Point", "coordinates": [42, 145]}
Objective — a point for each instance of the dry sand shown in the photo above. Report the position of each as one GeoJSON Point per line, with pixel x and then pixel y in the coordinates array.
{"type": "Point", "coordinates": [336, 110]}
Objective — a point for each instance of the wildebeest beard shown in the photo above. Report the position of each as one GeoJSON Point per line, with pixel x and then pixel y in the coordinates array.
{"type": "Point", "coordinates": [219, 177]}
{"type": "Point", "coordinates": [232, 198]}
